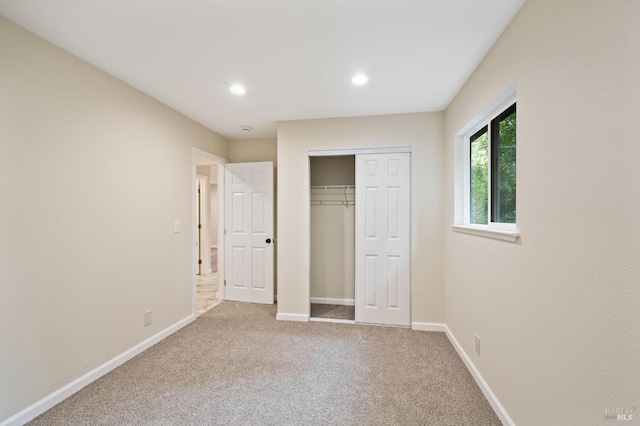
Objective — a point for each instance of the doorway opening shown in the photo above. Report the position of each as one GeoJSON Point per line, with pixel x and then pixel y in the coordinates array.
{"type": "Point", "coordinates": [332, 210]}
{"type": "Point", "coordinates": [208, 231]}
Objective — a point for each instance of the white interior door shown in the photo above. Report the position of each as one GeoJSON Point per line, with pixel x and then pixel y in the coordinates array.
{"type": "Point", "coordinates": [383, 239]}
{"type": "Point", "coordinates": [249, 232]}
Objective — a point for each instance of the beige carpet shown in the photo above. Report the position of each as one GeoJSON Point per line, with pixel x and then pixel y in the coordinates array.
{"type": "Point", "coordinates": [237, 365]}
{"type": "Point", "coordinates": [320, 310]}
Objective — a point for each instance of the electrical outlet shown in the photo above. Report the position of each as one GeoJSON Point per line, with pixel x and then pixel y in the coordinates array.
{"type": "Point", "coordinates": [147, 318]}
{"type": "Point", "coordinates": [478, 345]}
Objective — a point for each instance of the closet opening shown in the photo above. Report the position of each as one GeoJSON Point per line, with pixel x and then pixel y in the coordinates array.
{"type": "Point", "coordinates": [332, 195]}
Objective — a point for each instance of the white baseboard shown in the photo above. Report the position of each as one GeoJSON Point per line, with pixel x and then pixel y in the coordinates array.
{"type": "Point", "coordinates": [484, 387]}
{"type": "Point", "coordinates": [292, 317]}
{"type": "Point", "coordinates": [332, 301]}
{"type": "Point", "coordinates": [428, 326]}
{"type": "Point", "coordinates": [66, 391]}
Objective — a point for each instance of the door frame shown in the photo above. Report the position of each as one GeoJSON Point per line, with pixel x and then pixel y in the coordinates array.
{"type": "Point", "coordinates": [220, 163]}
{"type": "Point", "coordinates": [360, 151]}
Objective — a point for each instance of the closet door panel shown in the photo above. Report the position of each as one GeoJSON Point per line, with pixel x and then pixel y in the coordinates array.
{"type": "Point", "coordinates": [370, 281]}
{"type": "Point", "coordinates": [383, 239]}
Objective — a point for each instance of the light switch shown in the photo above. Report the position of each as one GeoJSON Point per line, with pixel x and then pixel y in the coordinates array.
{"type": "Point", "coordinates": [176, 226]}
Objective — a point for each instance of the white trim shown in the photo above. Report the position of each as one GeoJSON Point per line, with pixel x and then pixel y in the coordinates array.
{"type": "Point", "coordinates": [333, 320]}
{"type": "Point", "coordinates": [221, 233]}
{"type": "Point", "coordinates": [501, 102]}
{"type": "Point", "coordinates": [215, 246]}
{"type": "Point", "coordinates": [338, 152]}
{"type": "Point", "coordinates": [292, 317]}
{"type": "Point", "coordinates": [487, 232]}
{"type": "Point", "coordinates": [197, 152]}
{"type": "Point", "coordinates": [66, 391]}
{"type": "Point", "coordinates": [332, 301]}
{"type": "Point", "coordinates": [484, 387]}
{"type": "Point", "coordinates": [428, 326]}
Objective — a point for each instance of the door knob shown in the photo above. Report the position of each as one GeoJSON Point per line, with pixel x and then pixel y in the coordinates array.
{"type": "Point", "coordinates": [268, 241]}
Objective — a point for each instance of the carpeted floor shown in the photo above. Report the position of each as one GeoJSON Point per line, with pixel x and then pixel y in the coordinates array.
{"type": "Point", "coordinates": [237, 365]}
{"type": "Point", "coordinates": [319, 310]}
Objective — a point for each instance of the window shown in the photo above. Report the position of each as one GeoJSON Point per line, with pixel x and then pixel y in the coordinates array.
{"type": "Point", "coordinates": [503, 166]}
{"type": "Point", "coordinates": [492, 171]}
{"type": "Point", "coordinates": [486, 173]}
{"type": "Point", "coordinates": [479, 177]}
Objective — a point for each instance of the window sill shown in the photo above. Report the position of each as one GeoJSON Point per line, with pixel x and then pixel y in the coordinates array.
{"type": "Point", "coordinates": [496, 234]}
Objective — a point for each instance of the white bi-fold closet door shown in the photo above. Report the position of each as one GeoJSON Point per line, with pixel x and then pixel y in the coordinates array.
{"type": "Point", "coordinates": [383, 239]}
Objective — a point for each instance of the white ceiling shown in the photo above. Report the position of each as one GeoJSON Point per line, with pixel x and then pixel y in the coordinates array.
{"type": "Point", "coordinates": [295, 57]}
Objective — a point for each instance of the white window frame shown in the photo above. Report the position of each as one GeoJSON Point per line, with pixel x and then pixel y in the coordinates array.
{"type": "Point", "coordinates": [462, 186]}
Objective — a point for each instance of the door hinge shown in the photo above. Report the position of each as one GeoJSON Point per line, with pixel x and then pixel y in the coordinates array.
{"type": "Point", "coordinates": [199, 226]}
{"type": "Point", "coordinates": [225, 231]}
{"type": "Point", "coordinates": [225, 283]}
{"type": "Point", "coordinates": [199, 261]}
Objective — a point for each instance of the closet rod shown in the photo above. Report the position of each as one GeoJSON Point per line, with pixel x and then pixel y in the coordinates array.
{"type": "Point", "coordinates": [333, 187]}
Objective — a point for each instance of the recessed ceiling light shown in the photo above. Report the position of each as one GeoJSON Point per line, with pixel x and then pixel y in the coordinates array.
{"type": "Point", "coordinates": [359, 79]}
{"type": "Point", "coordinates": [237, 89]}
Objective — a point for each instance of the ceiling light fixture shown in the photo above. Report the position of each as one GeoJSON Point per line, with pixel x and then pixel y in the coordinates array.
{"type": "Point", "coordinates": [237, 89]}
{"type": "Point", "coordinates": [245, 128]}
{"type": "Point", "coordinates": [359, 79]}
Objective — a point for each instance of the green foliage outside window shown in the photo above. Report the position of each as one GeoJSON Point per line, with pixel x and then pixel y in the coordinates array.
{"type": "Point", "coordinates": [506, 211]}
{"type": "Point", "coordinates": [479, 178]}
{"type": "Point", "coordinates": [493, 165]}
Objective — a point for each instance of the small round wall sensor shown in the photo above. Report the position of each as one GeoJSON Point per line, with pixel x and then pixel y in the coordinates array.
{"type": "Point", "coordinates": [245, 128]}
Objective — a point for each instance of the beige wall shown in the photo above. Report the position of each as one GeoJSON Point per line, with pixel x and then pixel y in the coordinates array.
{"type": "Point", "coordinates": [333, 251]}
{"type": "Point", "coordinates": [87, 241]}
{"type": "Point", "coordinates": [211, 172]}
{"type": "Point", "coordinates": [215, 215]}
{"type": "Point", "coordinates": [558, 312]}
{"type": "Point", "coordinates": [422, 132]}
{"type": "Point", "coordinates": [340, 170]}
{"type": "Point", "coordinates": [252, 150]}
{"type": "Point", "coordinates": [333, 231]}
